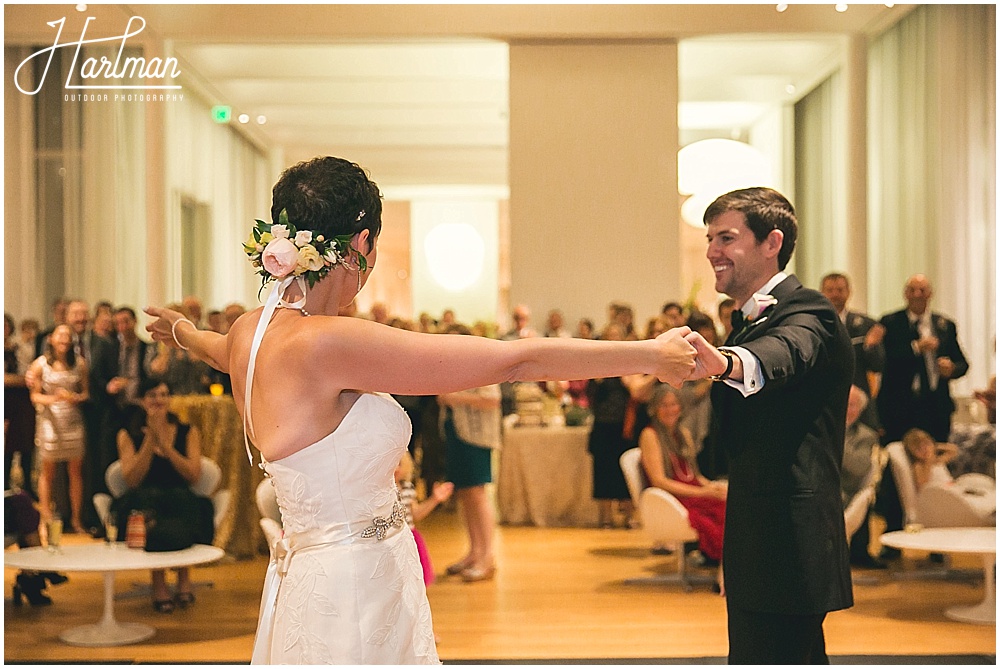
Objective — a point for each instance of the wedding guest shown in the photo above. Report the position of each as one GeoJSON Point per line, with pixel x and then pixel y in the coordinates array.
{"type": "Point", "coordinates": [554, 326]}
{"type": "Point", "coordinates": [59, 385]}
{"type": "Point", "coordinates": [192, 305]}
{"type": "Point", "coordinates": [185, 374]}
{"type": "Point", "coordinates": [922, 358]}
{"type": "Point", "coordinates": [655, 326]}
{"type": "Point", "coordinates": [471, 432]}
{"type": "Point", "coordinates": [725, 311]}
{"type": "Point", "coordinates": [857, 473]}
{"type": "Point", "coordinates": [608, 399]}
{"type": "Point", "coordinates": [216, 321]}
{"type": "Point", "coordinates": [673, 315]}
{"type": "Point", "coordinates": [28, 333]}
{"type": "Point", "coordinates": [668, 460]}
{"type": "Point", "coordinates": [417, 511]}
{"type": "Point", "coordinates": [21, 520]}
{"type": "Point", "coordinates": [521, 317]}
{"type": "Point", "coordinates": [18, 413]}
{"type": "Point", "coordinates": [584, 329]}
{"type": "Point", "coordinates": [380, 313]}
{"type": "Point", "coordinates": [161, 458]}
{"type": "Point", "coordinates": [695, 400]}
{"type": "Point", "coordinates": [869, 354]}
{"type": "Point", "coordinates": [231, 313]}
{"type": "Point", "coordinates": [59, 306]}
{"type": "Point", "coordinates": [104, 325]}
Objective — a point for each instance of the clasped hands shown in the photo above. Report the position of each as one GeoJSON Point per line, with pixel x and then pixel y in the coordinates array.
{"type": "Point", "coordinates": [687, 356]}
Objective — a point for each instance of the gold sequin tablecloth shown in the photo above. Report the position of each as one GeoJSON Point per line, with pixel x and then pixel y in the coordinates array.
{"type": "Point", "coordinates": [221, 429]}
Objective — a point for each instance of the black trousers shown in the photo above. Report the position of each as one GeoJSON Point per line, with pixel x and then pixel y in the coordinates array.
{"type": "Point", "coordinates": [775, 638]}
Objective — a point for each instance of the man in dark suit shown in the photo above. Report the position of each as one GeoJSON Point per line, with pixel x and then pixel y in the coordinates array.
{"type": "Point", "coordinates": [869, 355]}
{"type": "Point", "coordinates": [922, 357]}
{"type": "Point", "coordinates": [779, 411]}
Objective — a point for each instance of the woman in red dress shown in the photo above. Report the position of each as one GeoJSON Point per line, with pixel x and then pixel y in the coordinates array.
{"type": "Point", "coordinates": [668, 460]}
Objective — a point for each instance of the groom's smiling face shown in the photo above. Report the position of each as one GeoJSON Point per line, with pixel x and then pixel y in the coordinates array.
{"type": "Point", "coordinates": [741, 264]}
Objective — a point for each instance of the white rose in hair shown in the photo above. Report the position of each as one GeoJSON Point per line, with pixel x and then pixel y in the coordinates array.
{"type": "Point", "coordinates": [279, 231]}
{"type": "Point", "coordinates": [303, 237]}
{"type": "Point", "coordinates": [308, 260]}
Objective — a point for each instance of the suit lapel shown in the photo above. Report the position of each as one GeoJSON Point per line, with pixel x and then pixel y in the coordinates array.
{"type": "Point", "coordinates": [753, 329]}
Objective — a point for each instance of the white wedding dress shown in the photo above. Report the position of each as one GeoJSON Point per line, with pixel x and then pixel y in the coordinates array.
{"type": "Point", "coordinates": [345, 584]}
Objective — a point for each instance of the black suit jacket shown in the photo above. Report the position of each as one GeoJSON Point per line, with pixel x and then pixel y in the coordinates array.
{"type": "Point", "coordinates": [785, 547]}
{"type": "Point", "coordinates": [900, 408]}
{"type": "Point", "coordinates": [870, 360]}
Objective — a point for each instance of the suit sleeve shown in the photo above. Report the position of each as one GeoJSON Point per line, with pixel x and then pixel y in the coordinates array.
{"type": "Point", "coordinates": [793, 347]}
{"type": "Point", "coordinates": [954, 351]}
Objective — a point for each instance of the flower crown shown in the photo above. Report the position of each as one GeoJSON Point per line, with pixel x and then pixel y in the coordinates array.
{"type": "Point", "coordinates": [278, 250]}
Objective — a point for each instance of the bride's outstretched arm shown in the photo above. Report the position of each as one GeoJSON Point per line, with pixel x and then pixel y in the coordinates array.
{"type": "Point", "coordinates": [368, 356]}
{"type": "Point", "coordinates": [210, 346]}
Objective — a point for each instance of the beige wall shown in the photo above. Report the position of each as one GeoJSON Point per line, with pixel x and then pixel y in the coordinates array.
{"type": "Point", "coordinates": [593, 196]}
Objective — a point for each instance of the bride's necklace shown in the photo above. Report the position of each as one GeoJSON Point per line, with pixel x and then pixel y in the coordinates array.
{"type": "Point", "coordinates": [300, 309]}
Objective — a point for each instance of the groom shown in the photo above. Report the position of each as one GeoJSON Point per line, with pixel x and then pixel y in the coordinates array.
{"type": "Point", "coordinates": [779, 410]}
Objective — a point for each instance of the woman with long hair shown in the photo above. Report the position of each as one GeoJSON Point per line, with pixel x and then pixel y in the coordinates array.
{"type": "Point", "coordinates": [59, 385]}
{"type": "Point", "coordinates": [346, 585]}
{"type": "Point", "coordinates": [668, 460]}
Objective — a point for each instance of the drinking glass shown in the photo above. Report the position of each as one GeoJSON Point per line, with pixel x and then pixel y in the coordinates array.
{"type": "Point", "coordinates": [55, 528]}
{"type": "Point", "coordinates": [111, 532]}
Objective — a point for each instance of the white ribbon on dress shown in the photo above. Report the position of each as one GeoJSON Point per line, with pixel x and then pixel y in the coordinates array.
{"type": "Point", "coordinates": [274, 300]}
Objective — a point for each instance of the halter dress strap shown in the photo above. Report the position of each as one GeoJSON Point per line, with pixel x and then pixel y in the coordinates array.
{"type": "Point", "coordinates": [274, 300]}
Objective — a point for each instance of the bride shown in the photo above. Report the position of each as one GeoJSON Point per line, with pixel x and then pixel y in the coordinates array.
{"type": "Point", "coordinates": [345, 585]}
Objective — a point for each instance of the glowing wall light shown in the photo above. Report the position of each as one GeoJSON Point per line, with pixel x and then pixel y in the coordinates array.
{"type": "Point", "coordinates": [711, 167]}
{"type": "Point", "coordinates": [455, 254]}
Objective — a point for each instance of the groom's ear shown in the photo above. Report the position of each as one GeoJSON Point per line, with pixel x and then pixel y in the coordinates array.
{"type": "Point", "coordinates": [772, 243]}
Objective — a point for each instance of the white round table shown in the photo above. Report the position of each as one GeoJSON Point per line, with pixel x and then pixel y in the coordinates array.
{"type": "Point", "coordinates": [107, 559]}
{"type": "Point", "coordinates": [976, 540]}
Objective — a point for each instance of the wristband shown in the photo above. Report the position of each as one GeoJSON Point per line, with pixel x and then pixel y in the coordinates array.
{"type": "Point", "coordinates": [729, 365]}
{"type": "Point", "coordinates": [173, 333]}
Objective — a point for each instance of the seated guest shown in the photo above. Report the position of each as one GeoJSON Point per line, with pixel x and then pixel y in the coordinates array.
{"type": "Point", "coordinates": [161, 458]}
{"type": "Point", "coordinates": [857, 472]}
{"type": "Point", "coordinates": [668, 460]}
{"type": "Point", "coordinates": [929, 459]}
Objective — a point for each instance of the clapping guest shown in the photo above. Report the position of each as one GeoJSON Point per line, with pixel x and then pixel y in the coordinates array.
{"type": "Point", "coordinates": [59, 385]}
{"type": "Point", "coordinates": [161, 458]}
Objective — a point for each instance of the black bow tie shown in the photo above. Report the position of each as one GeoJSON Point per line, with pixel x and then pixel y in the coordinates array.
{"type": "Point", "coordinates": [738, 319]}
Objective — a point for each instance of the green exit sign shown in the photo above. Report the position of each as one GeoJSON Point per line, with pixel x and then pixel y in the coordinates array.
{"type": "Point", "coordinates": [222, 113]}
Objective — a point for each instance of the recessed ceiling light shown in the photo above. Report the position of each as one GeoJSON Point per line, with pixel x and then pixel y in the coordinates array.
{"type": "Point", "coordinates": [781, 7]}
{"type": "Point", "coordinates": [841, 8]}
{"type": "Point", "coordinates": [790, 89]}
{"type": "Point", "coordinates": [890, 5]}
{"type": "Point", "coordinates": [81, 7]}
{"type": "Point", "coordinates": [261, 120]}
{"type": "Point", "coordinates": [244, 118]}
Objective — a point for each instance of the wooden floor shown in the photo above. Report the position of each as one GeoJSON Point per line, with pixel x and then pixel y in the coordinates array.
{"type": "Point", "coordinates": [558, 594]}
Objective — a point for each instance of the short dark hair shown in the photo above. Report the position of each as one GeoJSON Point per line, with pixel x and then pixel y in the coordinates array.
{"type": "Point", "coordinates": [330, 196]}
{"type": "Point", "coordinates": [670, 305]}
{"type": "Point", "coordinates": [148, 383]}
{"type": "Point", "coordinates": [764, 209]}
{"type": "Point", "coordinates": [834, 276]}
{"type": "Point", "coordinates": [129, 310]}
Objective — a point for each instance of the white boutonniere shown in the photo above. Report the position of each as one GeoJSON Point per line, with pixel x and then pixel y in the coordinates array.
{"type": "Point", "coordinates": [758, 305]}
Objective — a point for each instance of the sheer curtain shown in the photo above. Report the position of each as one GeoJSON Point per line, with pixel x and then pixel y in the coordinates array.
{"type": "Point", "coordinates": [932, 170]}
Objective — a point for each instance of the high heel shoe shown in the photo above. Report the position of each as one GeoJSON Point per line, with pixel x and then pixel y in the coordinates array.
{"type": "Point", "coordinates": [473, 574]}
{"type": "Point", "coordinates": [457, 568]}
{"type": "Point", "coordinates": [53, 577]}
{"type": "Point", "coordinates": [30, 586]}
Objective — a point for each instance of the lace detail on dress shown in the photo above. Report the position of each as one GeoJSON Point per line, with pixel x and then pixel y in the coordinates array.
{"type": "Point", "coordinates": [303, 599]}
